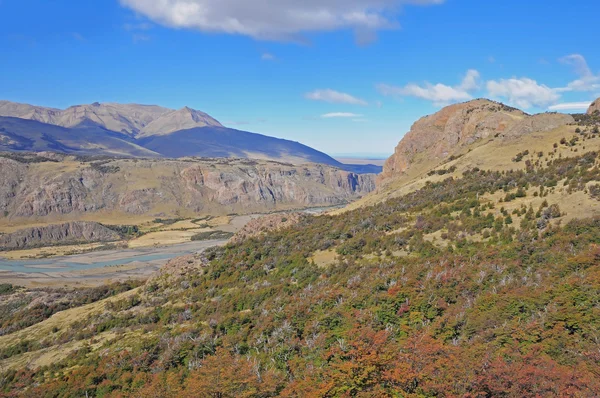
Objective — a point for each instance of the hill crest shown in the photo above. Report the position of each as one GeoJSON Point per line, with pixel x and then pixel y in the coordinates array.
{"type": "Point", "coordinates": [439, 136]}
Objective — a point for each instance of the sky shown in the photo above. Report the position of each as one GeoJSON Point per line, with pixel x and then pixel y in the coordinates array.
{"type": "Point", "coordinates": [343, 76]}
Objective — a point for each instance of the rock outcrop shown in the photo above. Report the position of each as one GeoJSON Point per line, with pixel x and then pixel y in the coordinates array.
{"type": "Point", "coordinates": [454, 126]}
{"type": "Point", "coordinates": [74, 186]}
{"type": "Point", "coordinates": [178, 267]}
{"type": "Point", "coordinates": [68, 233]}
{"type": "Point", "coordinates": [442, 134]}
{"type": "Point", "coordinates": [262, 225]}
{"type": "Point", "coordinates": [594, 108]}
{"type": "Point", "coordinates": [538, 123]}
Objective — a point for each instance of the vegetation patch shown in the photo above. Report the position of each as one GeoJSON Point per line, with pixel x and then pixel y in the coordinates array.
{"type": "Point", "coordinates": [212, 235]}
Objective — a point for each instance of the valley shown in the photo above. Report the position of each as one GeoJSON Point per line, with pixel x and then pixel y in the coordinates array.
{"type": "Point", "coordinates": [469, 269]}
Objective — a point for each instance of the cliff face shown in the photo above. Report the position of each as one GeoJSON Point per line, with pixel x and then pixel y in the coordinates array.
{"type": "Point", "coordinates": [219, 186]}
{"type": "Point", "coordinates": [440, 135]}
{"type": "Point", "coordinates": [74, 232]}
{"type": "Point", "coordinates": [594, 108]}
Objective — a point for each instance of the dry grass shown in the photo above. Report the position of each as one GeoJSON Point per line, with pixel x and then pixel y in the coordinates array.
{"type": "Point", "coordinates": [163, 238]}
{"type": "Point", "coordinates": [54, 326]}
{"type": "Point", "coordinates": [54, 251]}
{"type": "Point", "coordinates": [486, 154]}
{"type": "Point", "coordinates": [324, 258]}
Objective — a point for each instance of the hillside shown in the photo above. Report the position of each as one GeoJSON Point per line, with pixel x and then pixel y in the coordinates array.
{"type": "Point", "coordinates": [483, 134]}
{"type": "Point", "coordinates": [51, 187]}
{"type": "Point", "coordinates": [594, 108]}
{"type": "Point", "coordinates": [471, 273]}
{"type": "Point", "coordinates": [132, 130]}
{"type": "Point", "coordinates": [68, 233]}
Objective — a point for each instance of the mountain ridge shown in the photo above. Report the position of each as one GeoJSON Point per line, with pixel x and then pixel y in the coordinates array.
{"type": "Point", "coordinates": [440, 135]}
{"type": "Point", "coordinates": [129, 119]}
{"type": "Point", "coordinates": [134, 130]}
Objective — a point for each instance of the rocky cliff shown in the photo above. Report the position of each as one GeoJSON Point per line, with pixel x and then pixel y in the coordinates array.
{"type": "Point", "coordinates": [438, 136]}
{"type": "Point", "coordinates": [594, 108]}
{"type": "Point", "coordinates": [38, 187]}
{"type": "Point", "coordinates": [68, 233]}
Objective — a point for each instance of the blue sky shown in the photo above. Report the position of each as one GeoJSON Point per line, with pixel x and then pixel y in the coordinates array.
{"type": "Point", "coordinates": [345, 76]}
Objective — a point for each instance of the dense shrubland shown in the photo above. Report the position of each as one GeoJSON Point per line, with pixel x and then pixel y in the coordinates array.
{"type": "Point", "coordinates": [441, 292]}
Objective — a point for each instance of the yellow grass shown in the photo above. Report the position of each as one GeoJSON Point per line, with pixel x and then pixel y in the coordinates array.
{"type": "Point", "coordinates": [162, 238]}
{"type": "Point", "coordinates": [60, 321]}
{"type": "Point", "coordinates": [53, 251]}
{"type": "Point", "coordinates": [324, 258]}
{"type": "Point", "coordinates": [486, 154]}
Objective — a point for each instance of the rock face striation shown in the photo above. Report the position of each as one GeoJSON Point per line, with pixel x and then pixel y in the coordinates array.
{"type": "Point", "coordinates": [68, 233]}
{"type": "Point", "coordinates": [594, 108]}
{"type": "Point", "coordinates": [440, 135]}
{"type": "Point", "coordinates": [39, 187]}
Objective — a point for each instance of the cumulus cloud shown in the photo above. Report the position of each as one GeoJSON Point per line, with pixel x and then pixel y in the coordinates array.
{"type": "Point", "coordinates": [336, 97]}
{"type": "Point", "coordinates": [570, 106]}
{"type": "Point", "coordinates": [523, 92]}
{"type": "Point", "coordinates": [275, 19]}
{"type": "Point", "coordinates": [341, 115]}
{"type": "Point", "coordinates": [587, 81]}
{"type": "Point", "coordinates": [440, 94]}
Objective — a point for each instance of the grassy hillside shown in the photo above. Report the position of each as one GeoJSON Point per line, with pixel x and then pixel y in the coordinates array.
{"type": "Point", "coordinates": [494, 153]}
{"type": "Point", "coordinates": [475, 282]}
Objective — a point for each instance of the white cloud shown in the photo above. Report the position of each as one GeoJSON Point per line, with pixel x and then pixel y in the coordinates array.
{"type": "Point", "coordinates": [275, 19]}
{"type": "Point", "coordinates": [341, 115]}
{"type": "Point", "coordinates": [579, 64]}
{"type": "Point", "coordinates": [332, 96]}
{"type": "Point", "coordinates": [471, 81]}
{"type": "Point", "coordinates": [568, 106]}
{"type": "Point", "coordinates": [268, 57]}
{"type": "Point", "coordinates": [587, 80]}
{"type": "Point", "coordinates": [523, 92]}
{"type": "Point", "coordinates": [440, 94]}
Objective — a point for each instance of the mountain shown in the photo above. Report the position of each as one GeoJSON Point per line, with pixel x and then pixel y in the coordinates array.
{"type": "Point", "coordinates": [441, 135]}
{"type": "Point", "coordinates": [225, 142]}
{"type": "Point", "coordinates": [594, 108]}
{"type": "Point", "coordinates": [182, 119]}
{"type": "Point", "coordinates": [51, 187]}
{"type": "Point", "coordinates": [128, 119]}
{"type": "Point", "coordinates": [474, 271]}
{"type": "Point", "coordinates": [22, 135]}
{"type": "Point", "coordinates": [134, 130]}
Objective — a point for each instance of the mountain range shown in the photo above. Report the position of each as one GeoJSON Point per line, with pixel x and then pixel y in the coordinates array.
{"type": "Point", "coordinates": [132, 130]}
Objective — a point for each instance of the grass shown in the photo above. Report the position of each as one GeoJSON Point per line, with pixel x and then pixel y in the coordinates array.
{"type": "Point", "coordinates": [324, 258]}
{"type": "Point", "coordinates": [57, 251]}
{"type": "Point", "coordinates": [487, 154]}
{"type": "Point", "coordinates": [56, 324]}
